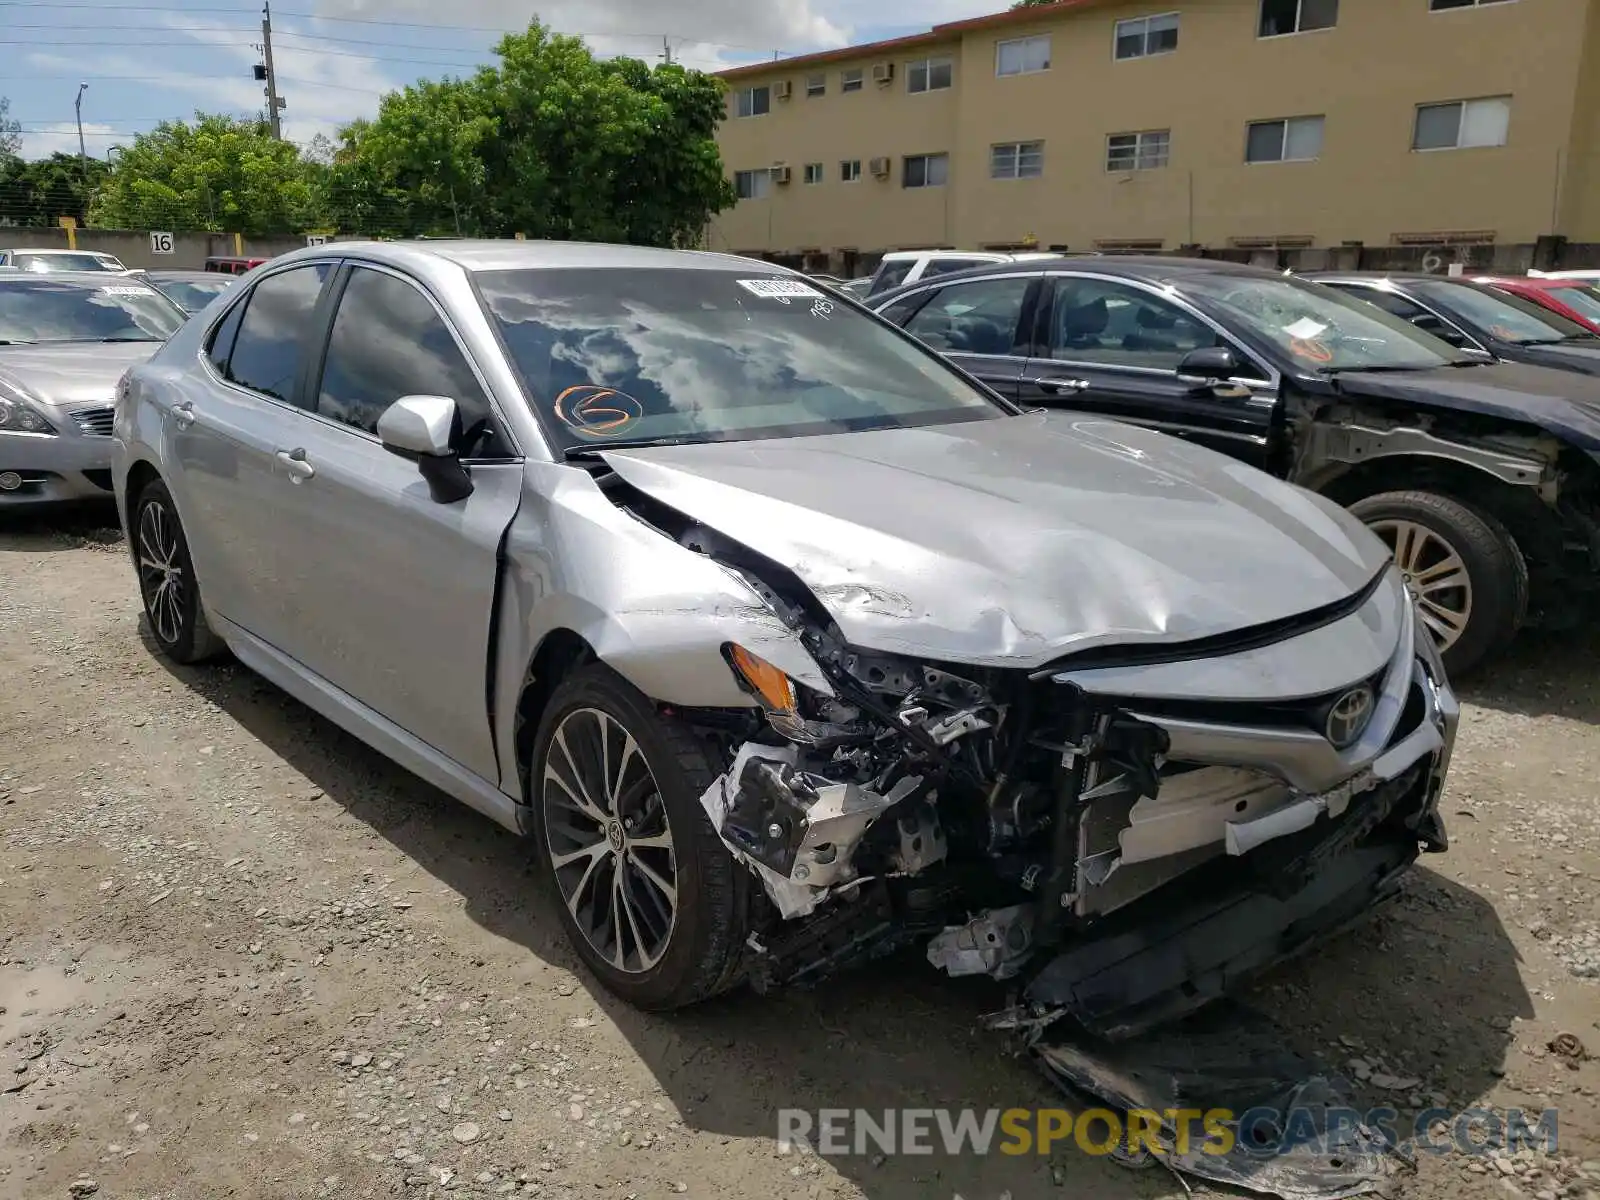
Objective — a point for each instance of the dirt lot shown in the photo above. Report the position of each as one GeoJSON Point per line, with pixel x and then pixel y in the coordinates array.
{"type": "Point", "coordinates": [242, 955]}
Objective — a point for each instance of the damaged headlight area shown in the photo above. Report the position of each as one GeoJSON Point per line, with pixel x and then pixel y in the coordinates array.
{"type": "Point", "coordinates": [1127, 856]}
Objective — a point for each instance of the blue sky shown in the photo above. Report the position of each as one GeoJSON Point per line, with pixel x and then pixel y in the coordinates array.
{"type": "Point", "coordinates": [150, 62]}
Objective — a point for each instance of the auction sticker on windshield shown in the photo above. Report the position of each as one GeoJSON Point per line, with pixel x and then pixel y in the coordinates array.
{"type": "Point", "coordinates": [127, 291]}
{"type": "Point", "coordinates": [779, 289]}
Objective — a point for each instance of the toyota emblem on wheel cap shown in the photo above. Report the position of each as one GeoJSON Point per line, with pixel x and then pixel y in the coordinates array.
{"type": "Point", "coordinates": [1347, 719]}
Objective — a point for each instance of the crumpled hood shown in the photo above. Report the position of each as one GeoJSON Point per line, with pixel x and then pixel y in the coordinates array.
{"type": "Point", "coordinates": [63, 375]}
{"type": "Point", "coordinates": [1565, 403]}
{"type": "Point", "coordinates": [1011, 542]}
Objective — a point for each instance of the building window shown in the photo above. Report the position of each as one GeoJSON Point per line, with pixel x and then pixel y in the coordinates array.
{"type": "Point", "coordinates": [850, 81]}
{"type": "Point", "coordinates": [1447, 5]}
{"type": "Point", "coordinates": [930, 75]}
{"type": "Point", "coordinates": [752, 185]}
{"type": "Point", "coordinates": [816, 85]}
{"type": "Point", "coordinates": [1016, 160]}
{"type": "Point", "coordinates": [926, 170]}
{"type": "Point", "coordinates": [1279, 17]}
{"type": "Point", "coordinates": [1462, 124]}
{"type": "Point", "coordinates": [1022, 56]}
{"type": "Point", "coordinates": [813, 173]}
{"type": "Point", "coordinates": [1143, 36]}
{"type": "Point", "coordinates": [1297, 139]}
{"type": "Point", "coordinates": [753, 101]}
{"type": "Point", "coordinates": [1145, 151]}
{"type": "Point", "coordinates": [850, 170]}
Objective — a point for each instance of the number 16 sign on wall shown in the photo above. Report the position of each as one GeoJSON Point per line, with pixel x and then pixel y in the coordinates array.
{"type": "Point", "coordinates": [161, 242]}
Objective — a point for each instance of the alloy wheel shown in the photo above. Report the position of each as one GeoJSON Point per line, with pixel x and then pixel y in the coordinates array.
{"type": "Point", "coordinates": [161, 573]}
{"type": "Point", "coordinates": [1436, 576]}
{"type": "Point", "coordinates": [609, 840]}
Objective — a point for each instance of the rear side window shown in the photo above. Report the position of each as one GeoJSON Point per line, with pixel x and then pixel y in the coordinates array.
{"type": "Point", "coordinates": [949, 266]}
{"type": "Point", "coordinates": [388, 341]}
{"type": "Point", "coordinates": [222, 339]}
{"type": "Point", "coordinates": [271, 342]}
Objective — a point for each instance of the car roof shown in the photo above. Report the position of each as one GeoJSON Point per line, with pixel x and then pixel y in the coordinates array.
{"type": "Point", "coordinates": [95, 278]}
{"type": "Point", "coordinates": [182, 273]}
{"type": "Point", "coordinates": [508, 255]}
{"type": "Point", "coordinates": [55, 250]}
{"type": "Point", "coordinates": [1400, 276]}
{"type": "Point", "coordinates": [903, 255]}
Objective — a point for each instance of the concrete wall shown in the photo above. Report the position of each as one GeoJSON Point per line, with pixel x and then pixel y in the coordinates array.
{"type": "Point", "coordinates": [189, 250]}
{"type": "Point", "coordinates": [1366, 77]}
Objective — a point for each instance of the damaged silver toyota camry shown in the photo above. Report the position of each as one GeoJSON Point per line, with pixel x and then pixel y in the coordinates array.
{"type": "Point", "coordinates": [790, 644]}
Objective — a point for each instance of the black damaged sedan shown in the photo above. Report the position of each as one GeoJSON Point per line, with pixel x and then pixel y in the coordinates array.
{"type": "Point", "coordinates": [1482, 475]}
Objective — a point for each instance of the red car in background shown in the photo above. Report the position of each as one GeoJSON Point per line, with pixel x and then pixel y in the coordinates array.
{"type": "Point", "coordinates": [1576, 299]}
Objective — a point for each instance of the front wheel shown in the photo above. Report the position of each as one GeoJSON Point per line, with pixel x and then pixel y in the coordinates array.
{"type": "Point", "coordinates": [650, 897]}
{"type": "Point", "coordinates": [167, 583]}
{"type": "Point", "coordinates": [1462, 567]}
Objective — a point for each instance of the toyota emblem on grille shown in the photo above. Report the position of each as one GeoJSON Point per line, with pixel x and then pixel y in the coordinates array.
{"type": "Point", "coordinates": [1347, 719]}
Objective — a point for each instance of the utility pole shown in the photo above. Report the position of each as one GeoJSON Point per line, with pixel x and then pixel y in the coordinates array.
{"type": "Point", "coordinates": [275, 102]}
{"type": "Point", "coordinates": [77, 106]}
{"type": "Point", "coordinates": [666, 49]}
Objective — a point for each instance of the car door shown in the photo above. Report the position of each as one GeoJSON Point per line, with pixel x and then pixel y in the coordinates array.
{"type": "Point", "coordinates": [226, 434]}
{"type": "Point", "coordinates": [392, 593]}
{"type": "Point", "coordinates": [982, 325]}
{"type": "Point", "coordinates": [1113, 346]}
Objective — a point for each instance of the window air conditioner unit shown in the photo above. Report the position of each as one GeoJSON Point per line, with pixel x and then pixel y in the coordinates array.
{"type": "Point", "coordinates": [880, 167]}
{"type": "Point", "coordinates": [782, 89]}
{"type": "Point", "coordinates": [882, 72]}
{"type": "Point", "coordinates": [780, 174]}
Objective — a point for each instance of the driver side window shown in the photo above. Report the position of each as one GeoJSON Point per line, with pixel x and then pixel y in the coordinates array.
{"type": "Point", "coordinates": [387, 342]}
{"type": "Point", "coordinates": [1115, 324]}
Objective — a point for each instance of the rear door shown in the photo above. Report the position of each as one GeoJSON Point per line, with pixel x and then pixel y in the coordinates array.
{"type": "Point", "coordinates": [225, 436]}
{"type": "Point", "coordinates": [982, 325]}
{"type": "Point", "coordinates": [393, 593]}
{"type": "Point", "coordinates": [1113, 346]}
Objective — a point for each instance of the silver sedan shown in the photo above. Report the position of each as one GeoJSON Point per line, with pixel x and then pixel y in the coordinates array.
{"type": "Point", "coordinates": [65, 341]}
{"type": "Point", "coordinates": [787, 642]}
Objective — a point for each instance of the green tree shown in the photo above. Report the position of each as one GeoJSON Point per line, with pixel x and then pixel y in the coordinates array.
{"type": "Point", "coordinates": [553, 143]}
{"type": "Point", "coordinates": [37, 193]}
{"type": "Point", "coordinates": [218, 173]}
{"type": "Point", "coordinates": [10, 131]}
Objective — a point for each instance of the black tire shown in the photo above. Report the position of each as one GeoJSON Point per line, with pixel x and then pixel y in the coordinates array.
{"type": "Point", "coordinates": [1496, 571]}
{"type": "Point", "coordinates": [176, 619]}
{"type": "Point", "coordinates": [702, 953]}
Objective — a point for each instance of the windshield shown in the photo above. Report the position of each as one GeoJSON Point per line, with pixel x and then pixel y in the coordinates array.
{"type": "Point", "coordinates": [1321, 329]}
{"type": "Point", "coordinates": [702, 355]}
{"type": "Point", "coordinates": [66, 262]}
{"type": "Point", "coordinates": [46, 310]}
{"type": "Point", "coordinates": [1509, 318]}
{"type": "Point", "coordinates": [1584, 301]}
{"type": "Point", "coordinates": [193, 294]}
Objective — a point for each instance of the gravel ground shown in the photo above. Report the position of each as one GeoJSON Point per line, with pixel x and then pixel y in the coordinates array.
{"type": "Point", "coordinates": [243, 955]}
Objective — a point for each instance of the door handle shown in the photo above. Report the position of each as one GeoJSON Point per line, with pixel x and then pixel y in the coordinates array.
{"type": "Point", "coordinates": [183, 414]}
{"type": "Point", "coordinates": [1061, 385]}
{"type": "Point", "coordinates": [294, 462]}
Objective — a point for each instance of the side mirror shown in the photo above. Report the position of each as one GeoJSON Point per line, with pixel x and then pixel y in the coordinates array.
{"type": "Point", "coordinates": [425, 429]}
{"type": "Point", "coordinates": [1209, 364]}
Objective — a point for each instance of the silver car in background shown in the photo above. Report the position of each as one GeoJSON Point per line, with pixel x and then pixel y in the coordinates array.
{"type": "Point", "coordinates": [65, 341]}
{"type": "Point", "coordinates": [787, 642]}
{"type": "Point", "coordinates": [45, 259]}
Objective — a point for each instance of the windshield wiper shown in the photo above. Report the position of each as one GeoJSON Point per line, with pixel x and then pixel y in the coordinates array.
{"type": "Point", "coordinates": [1375, 369]}
{"type": "Point", "coordinates": [588, 449]}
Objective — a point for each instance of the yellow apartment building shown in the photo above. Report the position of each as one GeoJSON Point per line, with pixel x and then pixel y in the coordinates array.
{"type": "Point", "coordinates": [1227, 124]}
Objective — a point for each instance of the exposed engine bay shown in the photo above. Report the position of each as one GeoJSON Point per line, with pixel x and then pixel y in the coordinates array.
{"type": "Point", "coordinates": [997, 817]}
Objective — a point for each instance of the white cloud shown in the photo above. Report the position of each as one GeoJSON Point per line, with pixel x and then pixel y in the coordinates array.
{"type": "Point", "coordinates": [43, 141]}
